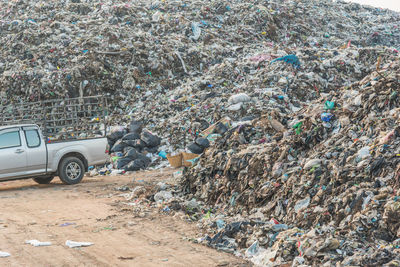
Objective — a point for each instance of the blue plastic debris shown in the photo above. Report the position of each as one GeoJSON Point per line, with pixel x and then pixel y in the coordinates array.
{"type": "Point", "coordinates": [163, 154]}
{"type": "Point", "coordinates": [166, 209]}
{"type": "Point", "coordinates": [327, 117]}
{"type": "Point", "coordinates": [220, 224]}
{"type": "Point", "coordinates": [291, 59]}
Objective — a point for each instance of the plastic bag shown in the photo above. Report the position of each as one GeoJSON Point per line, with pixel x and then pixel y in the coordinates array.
{"type": "Point", "coordinates": [118, 147]}
{"type": "Point", "coordinates": [115, 135]}
{"type": "Point", "coordinates": [202, 142]}
{"type": "Point", "coordinates": [135, 165]}
{"type": "Point", "coordinates": [138, 144]}
{"type": "Point", "coordinates": [131, 153]}
{"type": "Point", "coordinates": [127, 148]}
{"type": "Point", "coordinates": [131, 136]}
{"type": "Point", "coordinates": [122, 162]}
{"type": "Point", "coordinates": [145, 159]}
{"type": "Point", "coordinates": [150, 140]}
{"type": "Point", "coordinates": [220, 128]}
{"type": "Point", "coordinates": [242, 97]}
{"type": "Point", "coordinates": [196, 31]}
{"type": "Point", "coordinates": [195, 148]}
{"type": "Point", "coordinates": [140, 163]}
{"type": "Point", "coordinates": [136, 127]}
{"type": "Point", "coordinates": [111, 142]}
{"type": "Point", "coordinates": [204, 125]}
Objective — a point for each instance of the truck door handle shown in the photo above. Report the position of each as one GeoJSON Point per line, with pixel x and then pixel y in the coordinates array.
{"type": "Point", "coordinates": [19, 151]}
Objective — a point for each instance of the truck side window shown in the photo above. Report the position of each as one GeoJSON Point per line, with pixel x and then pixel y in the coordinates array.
{"type": "Point", "coordinates": [32, 138]}
{"type": "Point", "coordinates": [10, 139]}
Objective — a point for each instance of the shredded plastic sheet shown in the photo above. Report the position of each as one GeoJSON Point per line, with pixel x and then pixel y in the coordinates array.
{"type": "Point", "coordinates": [74, 244]}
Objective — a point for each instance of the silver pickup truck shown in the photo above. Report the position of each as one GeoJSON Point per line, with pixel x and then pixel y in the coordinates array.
{"type": "Point", "coordinates": [25, 153]}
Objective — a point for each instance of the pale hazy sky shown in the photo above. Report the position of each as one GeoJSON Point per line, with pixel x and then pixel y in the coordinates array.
{"type": "Point", "coordinates": [391, 4]}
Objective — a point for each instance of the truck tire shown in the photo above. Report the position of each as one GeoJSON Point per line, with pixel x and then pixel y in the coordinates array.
{"type": "Point", "coordinates": [71, 170]}
{"type": "Point", "coordinates": [43, 180]}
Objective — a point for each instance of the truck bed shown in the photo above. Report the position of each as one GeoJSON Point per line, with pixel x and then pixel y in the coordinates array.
{"type": "Point", "coordinates": [92, 149]}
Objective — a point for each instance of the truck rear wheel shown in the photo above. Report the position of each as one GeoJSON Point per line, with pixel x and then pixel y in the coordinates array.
{"type": "Point", "coordinates": [71, 170]}
{"type": "Point", "coordinates": [43, 180]}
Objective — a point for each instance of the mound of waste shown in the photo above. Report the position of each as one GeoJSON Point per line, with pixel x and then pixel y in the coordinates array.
{"type": "Point", "coordinates": [321, 185]}
{"type": "Point", "coordinates": [174, 64]}
{"type": "Point", "coordinates": [307, 170]}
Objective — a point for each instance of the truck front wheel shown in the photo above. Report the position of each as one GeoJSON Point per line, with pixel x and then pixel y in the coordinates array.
{"type": "Point", "coordinates": [71, 170]}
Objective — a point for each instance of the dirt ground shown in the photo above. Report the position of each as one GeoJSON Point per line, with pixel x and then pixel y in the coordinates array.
{"type": "Point", "coordinates": [92, 212]}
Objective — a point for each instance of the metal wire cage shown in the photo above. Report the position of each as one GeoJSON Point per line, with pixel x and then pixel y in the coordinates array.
{"type": "Point", "coordinates": [61, 119]}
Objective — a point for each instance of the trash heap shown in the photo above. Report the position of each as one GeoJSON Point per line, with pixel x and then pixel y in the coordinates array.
{"type": "Point", "coordinates": [132, 148]}
{"type": "Point", "coordinates": [310, 87]}
{"type": "Point", "coordinates": [181, 114]}
{"type": "Point", "coordinates": [174, 64]}
{"type": "Point", "coordinates": [318, 186]}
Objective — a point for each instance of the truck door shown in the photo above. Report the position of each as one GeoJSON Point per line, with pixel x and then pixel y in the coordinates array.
{"type": "Point", "coordinates": [36, 150]}
{"type": "Point", "coordinates": [12, 154]}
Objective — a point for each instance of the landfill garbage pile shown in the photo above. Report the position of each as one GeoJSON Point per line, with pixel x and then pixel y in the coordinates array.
{"type": "Point", "coordinates": [170, 62]}
{"type": "Point", "coordinates": [297, 79]}
{"type": "Point", "coordinates": [318, 186]}
{"type": "Point", "coordinates": [247, 87]}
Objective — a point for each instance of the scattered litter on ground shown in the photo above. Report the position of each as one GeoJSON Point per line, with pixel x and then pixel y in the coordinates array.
{"type": "Point", "coordinates": [4, 254]}
{"type": "Point", "coordinates": [37, 243]}
{"type": "Point", "coordinates": [74, 244]}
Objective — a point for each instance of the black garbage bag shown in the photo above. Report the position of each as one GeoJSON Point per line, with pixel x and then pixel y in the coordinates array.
{"type": "Point", "coordinates": [195, 148]}
{"type": "Point", "coordinates": [137, 143]}
{"type": "Point", "coordinates": [127, 148]}
{"type": "Point", "coordinates": [202, 142]}
{"type": "Point", "coordinates": [136, 127]}
{"type": "Point", "coordinates": [122, 162]}
{"type": "Point", "coordinates": [145, 159]}
{"type": "Point", "coordinates": [204, 125]}
{"type": "Point", "coordinates": [220, 128]}
{"type": "Point", "coordinates": [131, 153]}
{"type": "Point", "coordinates": [116, 135]}
{"type": "Point", "coordinates": [135, 165]}
{"type": "Point", "coordinates": [150, 140]}
{"type": "Point", "coordinates": [376, 165]}
{"type": "Point", "coordinates": [140, 163]}
{"type": "Point", "coordinates": [131, 136]}
{"type": "Point", "coordinates": [111, 142]}
{"type": "Point", "coordinates": [118, 146]}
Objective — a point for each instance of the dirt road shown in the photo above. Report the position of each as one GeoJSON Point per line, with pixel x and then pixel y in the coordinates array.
{"type": "Point", "coordinates": [91, 212]}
